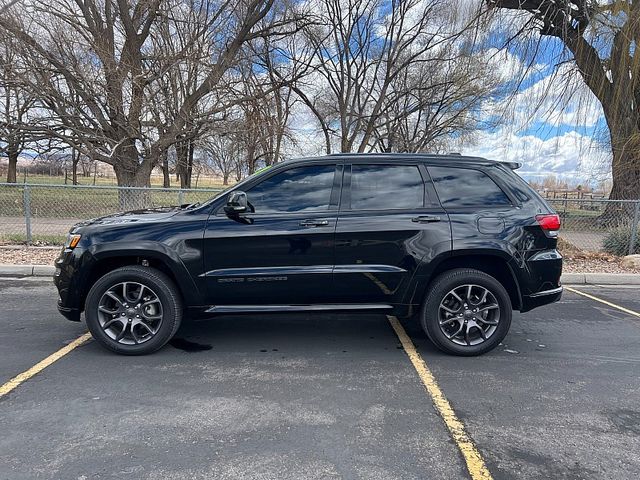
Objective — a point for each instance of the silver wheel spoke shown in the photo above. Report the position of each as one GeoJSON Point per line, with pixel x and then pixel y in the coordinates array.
{"type": "Point", "coordinates": [122, 333]}
{"type": "Point", "coordinates": [447, 322]}
{"type": "Point", "coordinates": [111, 322]}
{"type": "Point", "coordinates": [456, 296]}
{"type": "Point", "coordinates": [149, 329]}
{"type": "Point", "coordinates": [115, 297]}
{"type": "Point", "coordinates": [488, 307]}
{"type": "Point", "coordinates": [457, 332]}
{"type": "Point", "coordinates": [140, 293]}
{"type": "Point", "coordinates": [484, 297]}
{"type": "Point", "coordinates": [134, 336]}
{"type": "Point", "coordinates": [486, 322]}
{"type": "Point", "coordinates": [483, 334]}
{"type": "Point", "coordinates": [150, 302]}
{"type": "Point", "coordinates": [450, 310]}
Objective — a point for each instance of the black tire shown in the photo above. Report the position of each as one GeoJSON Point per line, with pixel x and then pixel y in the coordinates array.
{"type": "Point", "coordinates": [440, 292]}
{"type": "Point", "coordinates": [157, 284]}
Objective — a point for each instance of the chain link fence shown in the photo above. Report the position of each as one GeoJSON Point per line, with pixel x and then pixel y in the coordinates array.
{"type": "Point", "coordinates": [43, 214]}
{"type": "Point", "coordinates": [608, 226]}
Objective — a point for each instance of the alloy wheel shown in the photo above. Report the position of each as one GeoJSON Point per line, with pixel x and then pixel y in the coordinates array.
{"type": "Point", "coordinates": [130, 313]}
{"type": "Point", "coordinates": [469, 315]}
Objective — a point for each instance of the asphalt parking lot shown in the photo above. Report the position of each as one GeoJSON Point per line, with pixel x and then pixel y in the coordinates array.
{"type": "Point", "coordinates": [321, 396]}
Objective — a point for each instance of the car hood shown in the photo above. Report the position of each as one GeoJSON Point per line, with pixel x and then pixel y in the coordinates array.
{"type": "Point", "coordinates": [134, 216]}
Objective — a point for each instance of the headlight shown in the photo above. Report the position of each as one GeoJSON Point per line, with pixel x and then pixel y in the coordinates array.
{"type": "Point", "coordinates": [72, 240]}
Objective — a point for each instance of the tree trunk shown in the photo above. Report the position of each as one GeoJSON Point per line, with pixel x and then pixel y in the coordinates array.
{"type": "Point", "coordinates": [75, 157]}
{"type": "Point", "coordinates": [225, 178]}
{"type": "Point", "coordinates": [625, 168]}
{"type": "Point", "coordinates": [190, 164]}
{"type": "Point", "coordinates": [130, 173]}
{"type": "Point", "coordinates": [166, 178]}
{"type": "Point", "coordinates": [182, 162]}
{"type": "Point", "coordinates": [13, 165]}
{"type": "Point", "coordinates": [251, 158]}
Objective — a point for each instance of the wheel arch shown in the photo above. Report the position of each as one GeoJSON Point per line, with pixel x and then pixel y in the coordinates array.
{"type": "Point", "coordinates": [105, 258]}
{"type": "Point", "coordinates": [494, 263]}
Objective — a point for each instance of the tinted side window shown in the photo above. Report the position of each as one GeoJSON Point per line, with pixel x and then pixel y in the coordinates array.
{"type": "Point", "coordinates": [302, 189]}
{"type": "Point", "coordinates": [462, 187]}
{"type": "Point", "coordinates": [385, 187]}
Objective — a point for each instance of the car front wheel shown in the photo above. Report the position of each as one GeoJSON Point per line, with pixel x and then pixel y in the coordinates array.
{"type": "Point", "coordinates": [133, 310]}
{"type": "Point", "coordinates": [466, 312]}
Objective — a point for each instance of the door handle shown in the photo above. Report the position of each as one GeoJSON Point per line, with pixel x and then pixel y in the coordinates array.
{"type": "Point", "coordinates": [426, 219]}
{"type": "Point", "coordinates": [314, 223]}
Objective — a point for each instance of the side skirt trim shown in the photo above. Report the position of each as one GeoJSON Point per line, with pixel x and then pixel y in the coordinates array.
{"type": "Point", "coordinates": [297, 308]}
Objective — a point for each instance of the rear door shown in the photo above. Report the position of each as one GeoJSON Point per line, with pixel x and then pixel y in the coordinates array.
{"type": "Point", "coordinates": [389, 221]}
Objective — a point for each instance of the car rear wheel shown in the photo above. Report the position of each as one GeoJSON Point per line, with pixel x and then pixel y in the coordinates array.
{"type": "Point", "coordinates": [466, 312]}
{"type": "Point", "coordinates": [133, 310]}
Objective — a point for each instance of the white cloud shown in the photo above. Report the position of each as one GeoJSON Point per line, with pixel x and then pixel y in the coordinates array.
{"type": "Point", "coordinates": [570, 155]}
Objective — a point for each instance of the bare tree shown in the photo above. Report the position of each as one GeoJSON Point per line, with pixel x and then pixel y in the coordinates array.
{"type": "Point", "coordinates": [431, 103]}
{"type": "Point", "coordinates": [103, 54]}
{"type": "Point", "coordinates": [600, 39]}
{"type": "Point", "coordinates": [16, 102]}
{"type": "Point", "coordinates": [363, 54]}
{"type": "Point", "coordinates": [223, 153]}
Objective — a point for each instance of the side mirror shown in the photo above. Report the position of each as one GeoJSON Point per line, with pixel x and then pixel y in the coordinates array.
{"type": "Point", "coordinates": [236, 203]}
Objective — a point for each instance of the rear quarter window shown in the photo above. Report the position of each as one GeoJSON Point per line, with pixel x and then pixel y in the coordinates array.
{"type": "Point", "coordinates": [466, 187]}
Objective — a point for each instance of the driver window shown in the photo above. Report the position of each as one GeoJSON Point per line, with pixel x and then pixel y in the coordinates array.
{"type": "Point", "coordinates": [301, 189]}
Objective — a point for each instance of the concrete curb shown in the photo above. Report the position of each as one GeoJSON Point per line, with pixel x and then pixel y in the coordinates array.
{"type": "Point", "coordinates": [7, 270]}
{"type": "Point", "coordinates": [567, 278]}
{"type": "Point", "coordinates": [600, 279]}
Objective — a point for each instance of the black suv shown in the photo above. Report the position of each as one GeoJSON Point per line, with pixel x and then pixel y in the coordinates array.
{"type": "Point", "coordinates": [457, 241]}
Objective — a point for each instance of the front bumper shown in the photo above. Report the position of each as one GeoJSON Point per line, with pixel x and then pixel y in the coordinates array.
{"type": "Point", "coordinates": [69, 313]}
{"type": "Point", "coordinates": [68, 283]}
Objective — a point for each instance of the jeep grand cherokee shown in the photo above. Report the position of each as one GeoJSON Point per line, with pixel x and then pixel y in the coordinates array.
{"type": "Point", "coordinates": [458, 242]}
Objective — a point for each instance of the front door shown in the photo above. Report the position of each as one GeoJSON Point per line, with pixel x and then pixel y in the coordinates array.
{"type": "Point", "coordinates": [282, 252]}
{"type": "Point", "coordinates": [389, 222]}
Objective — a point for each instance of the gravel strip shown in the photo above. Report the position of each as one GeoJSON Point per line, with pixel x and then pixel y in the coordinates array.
{"type": "Point", "coordinates": [29, 256]}
{"type": "Point", "coordinates": [595, 265]}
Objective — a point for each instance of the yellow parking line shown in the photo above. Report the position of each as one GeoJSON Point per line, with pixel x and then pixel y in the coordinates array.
{"type": "Point", "coordinates": [38, 367]}
{"type": "Point", "coordinates": [475, 463]}
{"type": "Point", "coordinates": [622, 309]}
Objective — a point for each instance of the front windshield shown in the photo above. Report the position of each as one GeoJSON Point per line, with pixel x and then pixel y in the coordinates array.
{"type": "Point", "coordinates": [239, 184]}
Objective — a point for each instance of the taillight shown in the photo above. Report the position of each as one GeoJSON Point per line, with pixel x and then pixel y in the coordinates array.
{"type": "Point", "coordinates": [550, 223]}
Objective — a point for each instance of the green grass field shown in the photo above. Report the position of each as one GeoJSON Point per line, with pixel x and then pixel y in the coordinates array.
{"type": "Point", "coordinates": [156, 181]}
{"type": "Point", "coordinates": [38, 240]}
{"type": "Point", "coordinates": [85, 202]}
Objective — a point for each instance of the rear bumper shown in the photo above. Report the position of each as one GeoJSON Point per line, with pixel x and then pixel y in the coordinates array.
{"type": "Point", "coordinates": [538, 299]}
{"type": "Point", "coordinates": [539, 279]}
